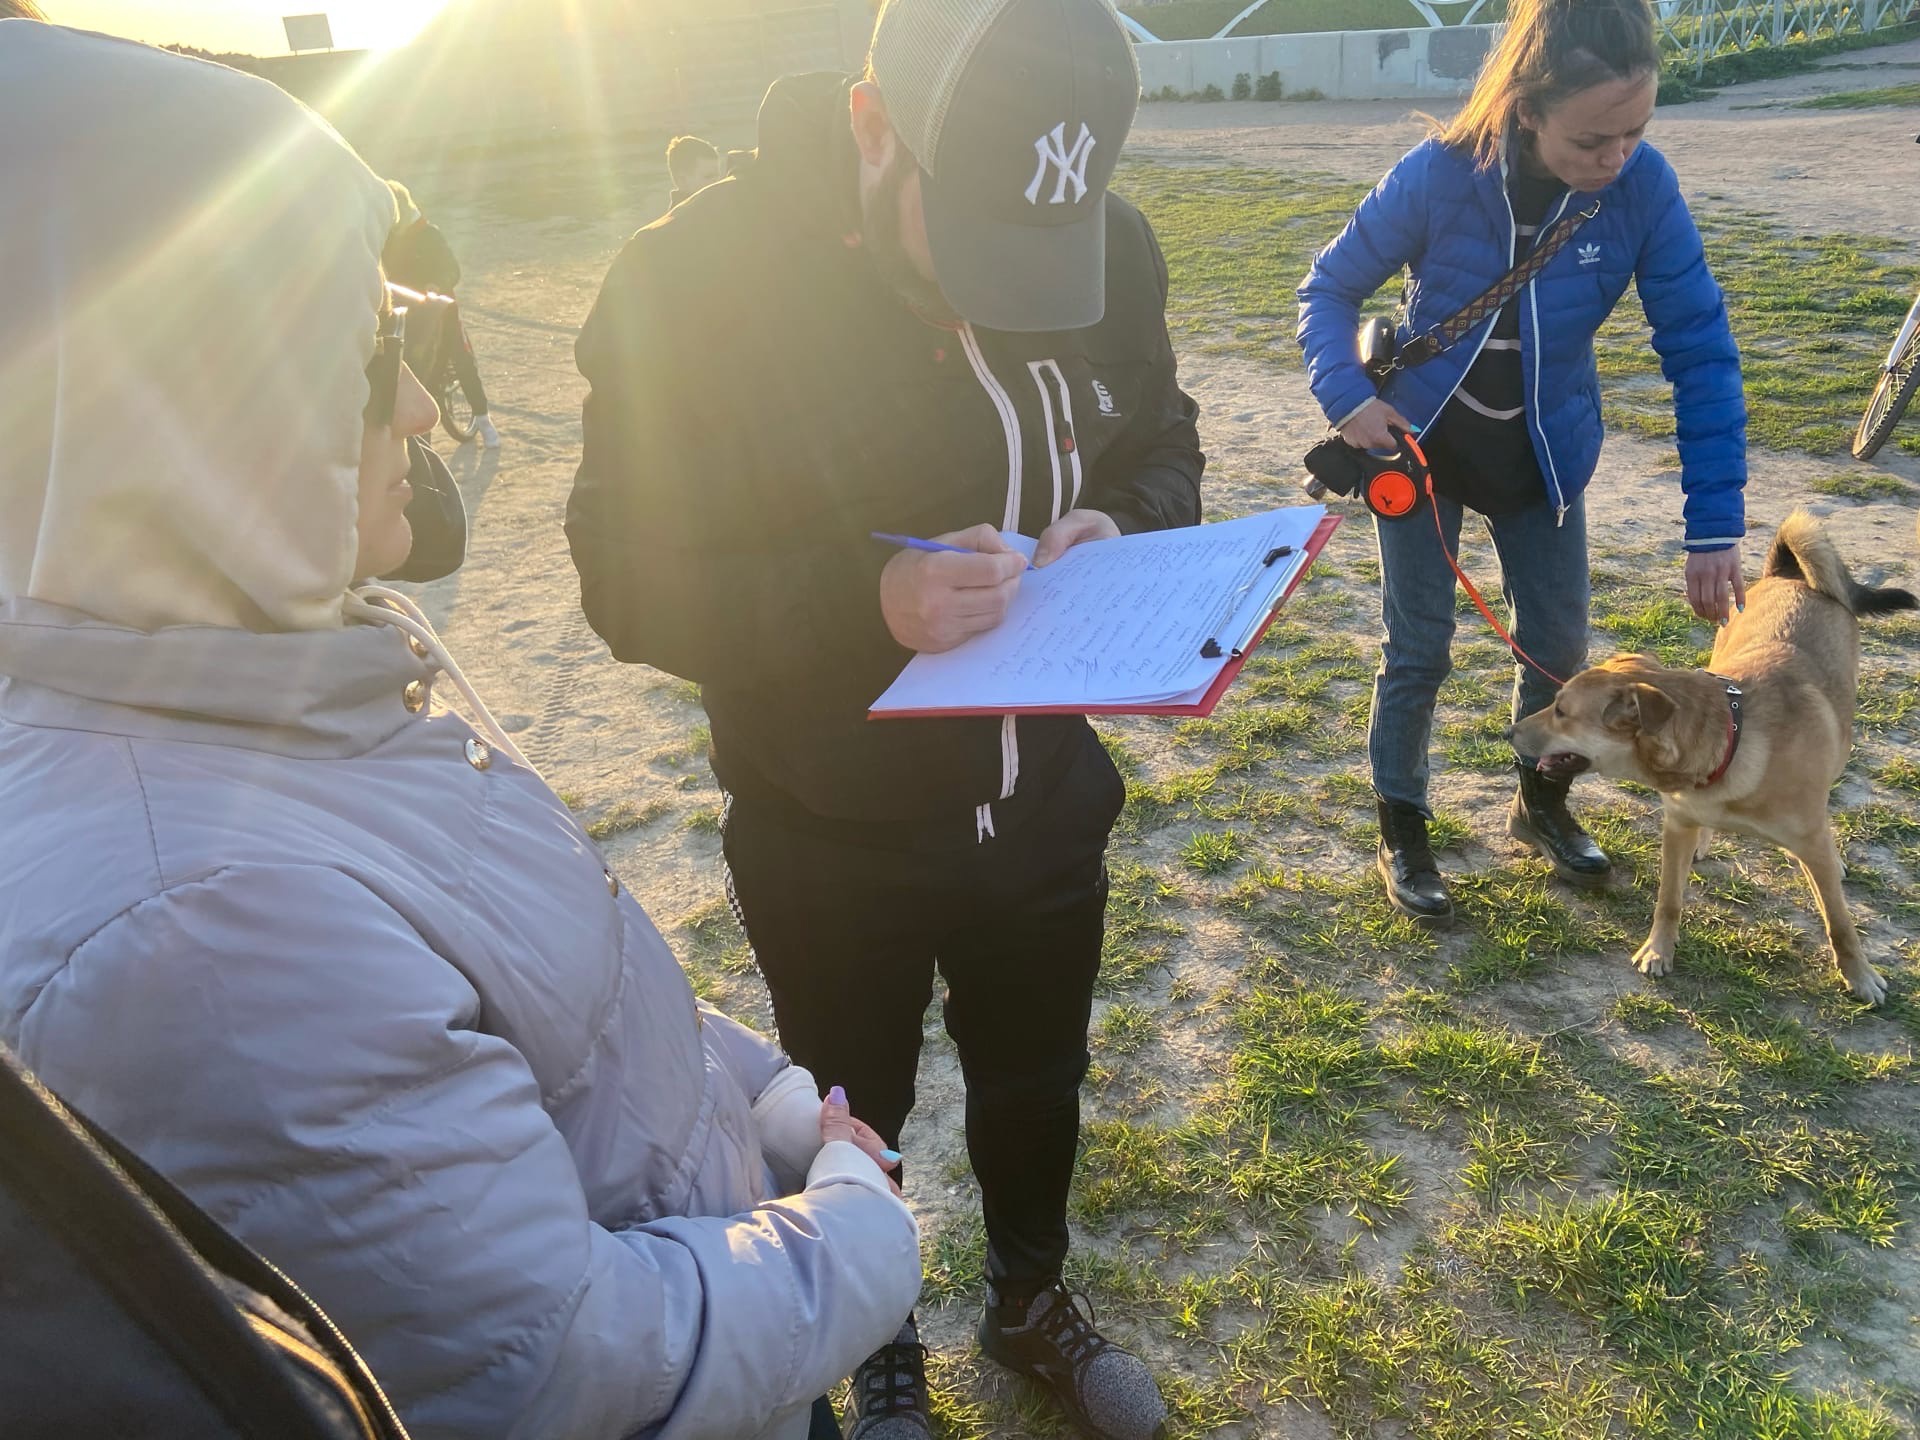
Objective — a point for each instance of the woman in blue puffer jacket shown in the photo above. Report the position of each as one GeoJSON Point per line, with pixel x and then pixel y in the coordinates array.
{"type": "Point", "coordinates": [1510, 415]}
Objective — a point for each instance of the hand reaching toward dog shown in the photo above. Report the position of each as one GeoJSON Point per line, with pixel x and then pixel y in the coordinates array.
{"type": "Point", "coordinates": [1711, 576]}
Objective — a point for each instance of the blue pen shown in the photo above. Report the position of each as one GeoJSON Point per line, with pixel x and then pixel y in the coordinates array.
{"type": "Point", "coordinates": [908, 542]}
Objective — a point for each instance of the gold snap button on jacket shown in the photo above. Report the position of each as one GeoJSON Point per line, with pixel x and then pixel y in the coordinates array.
{"type": "Point", "coordinates": [479, 755]}
{"type": "Point", "coordinates": [613, 883]}
{"type": "Point", "coordinates": [415, 696]}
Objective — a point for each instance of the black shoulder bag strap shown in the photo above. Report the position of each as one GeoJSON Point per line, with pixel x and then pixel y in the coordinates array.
{"type": "Point", "coordinates": [1491, 301]}
{"type": "Point", "coordinates": [160, 1255]}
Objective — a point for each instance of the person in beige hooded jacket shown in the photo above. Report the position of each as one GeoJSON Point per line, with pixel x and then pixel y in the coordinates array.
{"type": "Point", "coordinates": [333, 959]}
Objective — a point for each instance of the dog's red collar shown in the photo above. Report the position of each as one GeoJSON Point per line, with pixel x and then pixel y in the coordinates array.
{"type": "Point", "coordinates": [1734, 696]}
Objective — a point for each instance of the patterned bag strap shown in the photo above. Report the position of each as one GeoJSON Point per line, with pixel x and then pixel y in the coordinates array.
{"type": "Point", "coordinates": [1492, 300]}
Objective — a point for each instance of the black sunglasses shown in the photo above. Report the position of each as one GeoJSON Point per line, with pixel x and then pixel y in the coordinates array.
{"type": "Point", "coordinates": [383, 371]}
{"type": "Point", "coordinates": [389, 348]}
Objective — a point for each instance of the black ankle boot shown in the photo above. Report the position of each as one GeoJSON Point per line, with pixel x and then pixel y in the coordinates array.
{"type": "Point", "coordinates": [1539, 818]}
{"type": "Point", "coordinates": [1405, 862]}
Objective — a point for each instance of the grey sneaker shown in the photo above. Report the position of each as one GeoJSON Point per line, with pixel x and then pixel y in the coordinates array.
{"type": "Point", "coordinates": [889, 1399]}
{"type": "Point", "coordinates": [1107, 1392]}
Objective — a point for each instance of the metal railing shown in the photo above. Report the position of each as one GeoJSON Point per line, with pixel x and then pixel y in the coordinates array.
{"type": "Point", "coordinates": [1697, 29]}
{"type": "Point", "coordinates": [1700, 29]}
{"type": "Point", "coordinates": [1438, 14]}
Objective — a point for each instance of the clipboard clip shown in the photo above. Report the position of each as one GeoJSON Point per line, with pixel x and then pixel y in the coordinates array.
{"type": "Point", "coordinates": [1211, 650]}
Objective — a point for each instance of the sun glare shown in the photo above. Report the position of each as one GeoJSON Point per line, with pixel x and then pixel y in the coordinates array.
{"type": "Point", "coordinates": [250, 26]}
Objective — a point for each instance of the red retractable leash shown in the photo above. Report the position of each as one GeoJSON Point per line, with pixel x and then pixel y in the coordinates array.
{"type": "Point", "coordinates": [1392, 486]}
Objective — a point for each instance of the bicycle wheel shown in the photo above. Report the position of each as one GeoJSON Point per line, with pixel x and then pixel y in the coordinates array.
{"type": "Point", "coordinates": [1890, 399]}
{"type": "Point", "coordinates": [456, 410]}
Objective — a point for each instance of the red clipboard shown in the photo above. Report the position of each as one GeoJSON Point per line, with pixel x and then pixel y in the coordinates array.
{"type": "Point", "coordinates": [1230, 671]}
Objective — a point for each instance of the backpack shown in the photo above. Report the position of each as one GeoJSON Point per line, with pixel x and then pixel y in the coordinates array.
{"type": "Point", "coordinates": [125, 1310]}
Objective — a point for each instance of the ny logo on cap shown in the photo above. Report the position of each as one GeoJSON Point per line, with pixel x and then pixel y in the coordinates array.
{"type": "Point", "coordinates": [1070, 165]}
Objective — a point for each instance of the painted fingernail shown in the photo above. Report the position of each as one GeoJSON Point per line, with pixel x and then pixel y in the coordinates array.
{"type": "Point", "coordinates": [837, 1096]}
{"type": "Point", "coordinates": [892, 1157]}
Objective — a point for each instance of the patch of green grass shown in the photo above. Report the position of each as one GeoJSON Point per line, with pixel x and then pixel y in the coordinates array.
{"type": "Point", "coordinates": [1888, 701]}
{"type": "Point", "coordinates": [1138, 932]}
{"type": "Point", "coordinates": [1126, 1029]}
{"type": "Point", "coordinates": [1641, 1012]}
{"type": "Point", "coordinates": [1850, 486]}
{"type": "Point", "coordinates": [1303, 1052]}
{"type": "Point", "coordinates": [1908, 94]}
{"type": "Point", "coordinates": [1518, 925]}
{"type": "Point", "coordinates": [1212, 852]}
{"type": "Point", "coordinates": [1636, 1264]}
{"type": "Point", "coordinates": [1237, 242]}
{"type": "Point", "coordinates": [1151, 806]}
{"type": "Point", "coordinates": [1462, 1066]}
{"type": "Point", "coordinates": [1864, 1206]}
{"type": "Point", "coordinates": [1125, 759]}
{"type": "Point", "coordinates": [1510, 1151]}
{"type": "Point", "coordinates": [698, 741]}
{"type": "Point", "coordinates": [1665, 628]}
{"type": "Point", "coordinates": [1812, 315]}
{"type": "Point", "coordinates": [704, 821]}
{"type": "Point", "coordinates": [1875, 824]}
{"type": "Point", "coordinates": [1782, 1052]}
{"type": "Point", "coordinates": [1247, 734]}
{"type": "Point", "coordinates": [1478, 742]}
{"type": "Point", "coordinates": [626, 816]}
{"type": "Point", "coordinates": [1902, 774]}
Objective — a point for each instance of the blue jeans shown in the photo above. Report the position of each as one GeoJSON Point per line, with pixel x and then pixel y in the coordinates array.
{"type": "Point", "coordinates": [1546, 584]}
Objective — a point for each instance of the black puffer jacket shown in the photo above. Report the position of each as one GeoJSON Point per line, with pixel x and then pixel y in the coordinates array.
{"type": "Point", "coordinates": [761, 402]}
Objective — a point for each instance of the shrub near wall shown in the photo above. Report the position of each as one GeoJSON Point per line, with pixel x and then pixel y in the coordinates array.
{"type": "Point", "coordinates": [1245, 87]}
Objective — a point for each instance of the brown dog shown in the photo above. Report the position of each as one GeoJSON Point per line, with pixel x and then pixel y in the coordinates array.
{"type": "Point", "coordinates": [1754, 745]}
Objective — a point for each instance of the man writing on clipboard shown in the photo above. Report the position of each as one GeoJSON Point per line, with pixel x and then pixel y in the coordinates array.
{"type": "Point", "coordinates": [919, 312]}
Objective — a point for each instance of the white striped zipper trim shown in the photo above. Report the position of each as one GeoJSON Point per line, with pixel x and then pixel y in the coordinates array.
{"type": "Point", "coordinates": [1533, 304]}
{"type": "Point", "coordinates": [1042, 370]}
{"type": "Point", "coordinates": [1553, 469]}
{"type": "Point", "coordinates": [1010, 422]}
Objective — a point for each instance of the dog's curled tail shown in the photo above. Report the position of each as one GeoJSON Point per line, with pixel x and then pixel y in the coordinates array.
{"type": "Point", "coordinates": [1802, 551]}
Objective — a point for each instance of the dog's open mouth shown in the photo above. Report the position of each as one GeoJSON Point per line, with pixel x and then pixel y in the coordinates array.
{"type": "Point", "coordinates": [1563, 765]}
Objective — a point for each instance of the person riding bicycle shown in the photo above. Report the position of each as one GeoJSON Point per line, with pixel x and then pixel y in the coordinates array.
{"type": "Point", "coordinates": [1510, 415]}
{"type": "Point", "coordinates": [418, 257]}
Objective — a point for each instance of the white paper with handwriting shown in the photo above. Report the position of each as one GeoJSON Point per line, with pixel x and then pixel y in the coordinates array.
{"type": "Point", "coordinates": [1120, 622]}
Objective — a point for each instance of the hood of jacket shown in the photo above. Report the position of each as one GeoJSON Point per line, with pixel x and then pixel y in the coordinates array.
{"type": "Point", "coordinates": [193, 287]}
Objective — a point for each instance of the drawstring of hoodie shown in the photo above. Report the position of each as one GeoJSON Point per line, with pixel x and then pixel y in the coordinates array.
{"type": "Point", "coordinates": [378, 605]}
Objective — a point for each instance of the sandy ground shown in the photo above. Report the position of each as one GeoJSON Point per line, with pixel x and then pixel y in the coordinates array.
{"type": "Point", "coordinates": [536, 244]}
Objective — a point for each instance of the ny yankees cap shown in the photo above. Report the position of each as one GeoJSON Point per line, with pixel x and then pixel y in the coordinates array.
{"type": "Point", "coordinates": [1016, 111]}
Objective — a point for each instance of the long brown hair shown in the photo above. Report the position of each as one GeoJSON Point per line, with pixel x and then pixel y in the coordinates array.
{"type": "Point", "coordinates": [20, 10]}
{"type": "Point", "coordinates": [1549, 50]}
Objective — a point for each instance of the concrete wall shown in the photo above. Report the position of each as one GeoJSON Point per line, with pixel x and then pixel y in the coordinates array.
{"type": "Point", "coordinates": [1349, 65]}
